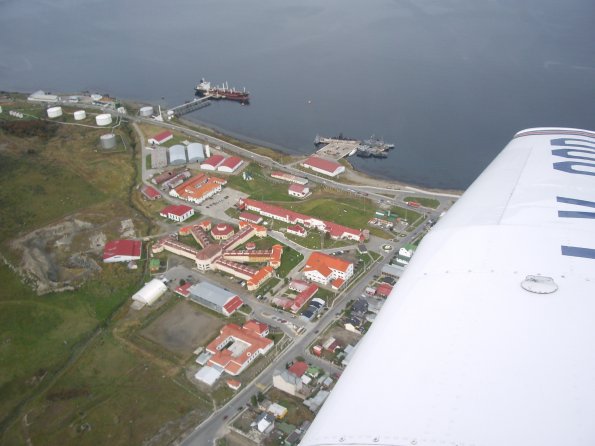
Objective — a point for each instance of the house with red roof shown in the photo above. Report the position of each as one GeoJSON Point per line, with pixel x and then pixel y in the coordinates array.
{"type": "Point", "coordinates": [212, 163]}
{"type": "Point", "coordinates": [297, 230]}
{"type": "Point", "coordinates": [222, 231]}
{"type": "Point", "coordinates": [324, 268]}
{"type": "Point", "coordinates": [122, 251]}
{"type": "Point", "coordinates": [298, 368]}
{"type": "Point", "coordinates": [230, 164]}
{"type": "Point", "coordinates": [383, 290]}
{"type": "Point", "coordinates": [323, 166]}
{"type": "Point", "coordinates": [150, 193]}
{"type": "Point", "coordinates": [161, 138]}
{"type": "Point", "coordinates": [257, 327]}
{"type": "Point", "coordinates": [298, 190]}
{"type": "Point", "coordinates": [303, 297]}
{"type": "Point", "coordinates": [250, 217]}
{"type": "Point", "coordinates": [177, 212]}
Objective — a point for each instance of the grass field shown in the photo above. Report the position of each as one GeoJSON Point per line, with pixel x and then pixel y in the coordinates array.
{"type": "Point", "coordinates": [261, 187]}
{"type": "Point", "coordinates": [424, 201]}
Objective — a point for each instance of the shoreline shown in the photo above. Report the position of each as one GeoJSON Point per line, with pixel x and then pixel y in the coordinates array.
{"type": "Point", "coordinates": [355, 178]}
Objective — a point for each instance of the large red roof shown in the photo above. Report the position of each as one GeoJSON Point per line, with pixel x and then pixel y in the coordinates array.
{"type": "Point", "coordinates": [232, 162]}
{"type": "Point", "coordinates": [298, 368]}
{"type": "Point", "coordinates": [214, 160]}
{"type": "Point", "coordinates": [176, 209]}
{"type": "Point", "coordinates": [321, 163]}
{"type": "Point", "coordinates": [233, 304]}
{"type": "Point", "coordinates": [163, 135]}
{"type": "Point", "coordinates": [127, 248]}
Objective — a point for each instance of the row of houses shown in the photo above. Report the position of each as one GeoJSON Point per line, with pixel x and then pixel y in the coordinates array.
{"type": "Point", "coordinates": [336, 231]}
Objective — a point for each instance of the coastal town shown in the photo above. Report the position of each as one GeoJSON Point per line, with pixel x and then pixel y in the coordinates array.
{"type": "Point", "coordinates": [258, 273]}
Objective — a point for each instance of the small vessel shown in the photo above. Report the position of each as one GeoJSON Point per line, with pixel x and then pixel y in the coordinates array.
{"type": "Point", "coordinates": [204, 88]}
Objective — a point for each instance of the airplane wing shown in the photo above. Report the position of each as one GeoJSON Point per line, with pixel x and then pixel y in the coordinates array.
{"type": "Point", "coordinates": [488, 339]}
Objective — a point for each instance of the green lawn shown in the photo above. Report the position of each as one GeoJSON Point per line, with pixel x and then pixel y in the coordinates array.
{"type": "Point", "coordinates": [424, 201]}
{"type": "Point", "coordinates": [261, 187]}
{"type": "Point", "coordinates": [34, 192]}
{"type": "Point", "coordinates": [289, 260]}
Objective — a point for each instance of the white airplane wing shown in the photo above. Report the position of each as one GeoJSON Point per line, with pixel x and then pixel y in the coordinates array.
{"type": "Point", "coordinates": [488, 339]}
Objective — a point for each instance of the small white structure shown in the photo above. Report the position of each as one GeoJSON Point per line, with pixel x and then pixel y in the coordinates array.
{"type": "Point", "coordinates": [152, 291]}
{"type": "Point", "coordinates": [79, 115]}
{"type": "Point", "coordinates": [207, 151]}
{"type": "Point", "coordinates": [54, 112]}
{"type": "Point", "coordinates": [177, 154]}
{"type": "Point", "coordinates": [146, 111]}
{"type": "Point", "coordinates": [103, 119]}
{"type": "Point", "coordinates": [208, 375]}
{"type": "Point", "coordinates": [41, 96]}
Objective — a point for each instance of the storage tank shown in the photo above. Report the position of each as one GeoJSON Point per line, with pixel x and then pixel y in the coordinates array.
{"type": "Point", "coordinates": [54, 112]}
{"type": "Point", "coordinates": [103, 119]}
{"type": "Point", "coordinates": [146, 111]}
{"type": "Point", "coordinates": [79, 115]}
{"type": "Point", "coordinates": [108, 141]}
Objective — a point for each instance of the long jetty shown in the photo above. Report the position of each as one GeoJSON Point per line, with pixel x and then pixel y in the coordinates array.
{"type": "Point", "coordinates": [188, 107]}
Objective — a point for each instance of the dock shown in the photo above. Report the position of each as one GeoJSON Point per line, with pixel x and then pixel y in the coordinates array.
{"type": "Point", "coordinates": [188, 107]}
{"type": "Point", "coordinates": [337, 148]}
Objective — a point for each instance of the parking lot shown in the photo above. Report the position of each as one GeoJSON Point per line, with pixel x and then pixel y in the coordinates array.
{"type": "Point", "coordinates": [216, 206]}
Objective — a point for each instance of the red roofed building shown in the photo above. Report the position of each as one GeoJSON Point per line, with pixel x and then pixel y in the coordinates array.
{"type": "Point", "coordinates": [150, 192]}
{"type": "Point", "coordinates": [298, 368]}
{"type": "Point", "coordinates": [335, 230]}
{"type": "Point", "coordinates": [222, 231]}
{"type": "Point", "coordinates": [383, 290]}
{"type": "Point", "coordinates": [323, 166]}
{"type": "Point", "coordinates": [230, 165]}
{"type": "Point", "coordinates": [257, 327]}
{"type": "Point", "coordinates": [236, 348]}
{"type": "Point", "coordinates": [298, 190]}
{"type": "Point", "coordinates": [303, 297]}
{"type": "Point", "coordinates": [289, 177]}
{"type": "Point", "coordinates": [275, 260]}
{"type": "Point", "coordinates": [177, 212]}
{"type": "Point", "coordinates": [250, 217]}
{"type": "Point", "coordinates": [260, 231]}
{"type": "Point", "coordinates": [233, 384]}
{"type": "Point", "coordinates": [161, 138]}
{"type": "Point", "coordinates": [122, 251]}
{"type": "Point", "coordinates": [183, 290]}
{"type": "Point", "coordinates": [212, 163]}
{"type": "Point", "coordinates": [323, 268]}
{"type": "Point", "coordinates": [337, 283]}
{"type": "Point", "coordinates": [297, 230]}
{"type": "Point", "coordinates": [261, 276]}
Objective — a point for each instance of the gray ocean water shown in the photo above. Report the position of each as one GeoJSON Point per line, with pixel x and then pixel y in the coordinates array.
{"type": "Point", "coordinates": [448, 81]}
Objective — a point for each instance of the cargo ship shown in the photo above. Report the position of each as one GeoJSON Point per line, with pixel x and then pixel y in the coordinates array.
{"type": "Point", "coordinates": [204, 88]}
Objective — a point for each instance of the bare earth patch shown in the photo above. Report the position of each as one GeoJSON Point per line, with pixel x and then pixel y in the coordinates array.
{"type": "Point", "coordinates": [183, 329]}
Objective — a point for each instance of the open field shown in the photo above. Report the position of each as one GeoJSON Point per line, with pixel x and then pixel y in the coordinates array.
{"type": "Point", "coordinates": [111, 396]}
{"type": "Point", "coordinates": [424, 201]}
{"type": "Point", "coordinates": [262, 187]}
{"type": "Point", "coordinates": [183, 328]}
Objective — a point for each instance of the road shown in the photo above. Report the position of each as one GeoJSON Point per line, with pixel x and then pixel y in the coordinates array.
{"type": "Point", "coordinates": [214, 426]}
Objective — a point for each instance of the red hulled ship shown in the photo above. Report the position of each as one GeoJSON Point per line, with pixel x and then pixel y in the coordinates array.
{"type": "Point", "coordinates": [204, 88]}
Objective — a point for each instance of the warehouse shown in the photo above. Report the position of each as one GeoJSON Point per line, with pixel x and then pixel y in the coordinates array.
{"type": "Point", "coordinates": [177, 154]}
{"type": "Point", "coordinates": [122, 251]}
{"type": "Point", "coordinates": [212, 163]}
{"type": "Point", "coordinates": [196, 153]}
{"type": "Point", "coordinates": [152, 291]}
{"type": "Point", "coordinates": [215, 298]}
{"type": "Point", "coordinates": [230, 165]}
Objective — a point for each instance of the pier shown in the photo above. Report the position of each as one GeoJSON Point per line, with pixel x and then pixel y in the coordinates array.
{"type": "Point", "coordinates": [188, 107]}
{"type": "Point", "coordinates": [337, 148]}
